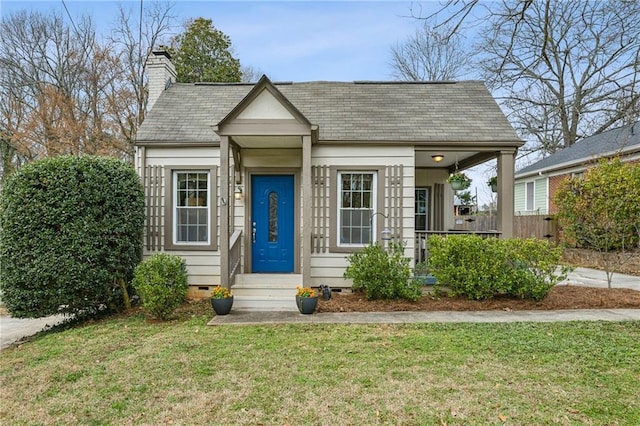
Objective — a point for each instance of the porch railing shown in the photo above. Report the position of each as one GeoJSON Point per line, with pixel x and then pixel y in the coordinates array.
{"type": "Point", "coordinates": [421, 240]}
{"type": "Point", "coordinates": [234, 255]}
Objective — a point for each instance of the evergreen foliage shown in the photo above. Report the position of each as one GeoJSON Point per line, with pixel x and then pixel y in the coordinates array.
{"type": "Point", "coordinates": [70, 235]}
{"type": "Point", "coordinates": [161, 282]}
{"type": "Point", "coordinates": [203, 53]}
{"type": "Point", "coordinates": [383, 274]}
{"type": "Point", "coordinates": [482, 268]}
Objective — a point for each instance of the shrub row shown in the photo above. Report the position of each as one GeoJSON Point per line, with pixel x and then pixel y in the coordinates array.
{"type": "Point", "coordinates": [481, 268]}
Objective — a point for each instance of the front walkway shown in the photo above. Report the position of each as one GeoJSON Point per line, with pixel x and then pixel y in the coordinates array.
{"type": "Point", "coordinates": [254, 318]}
{"type": "Point", "coordinates": [580, 276]}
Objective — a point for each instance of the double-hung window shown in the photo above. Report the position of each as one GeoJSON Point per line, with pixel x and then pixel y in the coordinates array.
{"type": "Point", "coordinates": [192, 202]}
{"type": "Point", "coordinates": [357, 195]}
{"type": "Point", "coordinates": [530, 196]}
{"type": "Point", "coordinates": [191, 209]}
{"type": "Point", "coordinates": [357, 201]}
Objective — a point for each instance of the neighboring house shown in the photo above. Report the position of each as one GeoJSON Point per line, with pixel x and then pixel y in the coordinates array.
{"type": "Point", "coordinates": [536, 185]}
{"type": "Point", "coordinates": [289, 178]}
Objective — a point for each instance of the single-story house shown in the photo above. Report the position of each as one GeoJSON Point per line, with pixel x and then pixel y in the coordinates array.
{"type": "Point", "coordinates": [274, 184]}
{"type": "Point", "coordinates": [536, 184]}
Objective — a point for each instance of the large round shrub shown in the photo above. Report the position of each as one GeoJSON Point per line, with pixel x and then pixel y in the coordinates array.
{"type": "Point", "coordinates": [601, 210]}
{"type": "Point", "coordinates": [70, 235]}
{"type": "Point", "coordinates": [161, 282]}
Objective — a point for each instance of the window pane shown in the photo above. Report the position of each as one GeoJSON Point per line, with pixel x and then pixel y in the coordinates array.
{"type": "Point", "coordinates": [356, 200]}
{"type": "Point", "coordinates": [346, 199]}
{"type": "Point", "coordinates": [345, 217]}
{"type": "Point", "coordinates": [346, 181]}
{"type": "Point", "coordinates": [273, 217]}
{"type": "Point", "coordinates": [367, 182]}
{"type": "Point", "coordinates": [529, 195]}
{"type": "Point", "coordinates": [367, 200]}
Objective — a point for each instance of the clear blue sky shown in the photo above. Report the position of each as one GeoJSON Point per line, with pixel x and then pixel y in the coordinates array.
{"type": "Point", "coordinates": [289, 41]}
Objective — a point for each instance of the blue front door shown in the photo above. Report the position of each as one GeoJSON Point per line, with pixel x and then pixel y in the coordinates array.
{"type": "Point", "coordinates": [272, 220]}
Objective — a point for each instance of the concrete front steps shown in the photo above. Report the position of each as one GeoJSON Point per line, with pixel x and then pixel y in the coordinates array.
{"type": "Point", "coordinates": [265, 292]}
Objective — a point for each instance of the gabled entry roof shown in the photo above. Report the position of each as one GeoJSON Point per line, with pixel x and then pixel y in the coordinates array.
{"type": "Point", "coordinates": [421, 112]}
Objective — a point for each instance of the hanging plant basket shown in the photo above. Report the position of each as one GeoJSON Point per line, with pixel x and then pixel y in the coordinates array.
{"type": "Point", "coordinates": [459, 181]}
{"type": "Point", "coordinates": [493, 183]}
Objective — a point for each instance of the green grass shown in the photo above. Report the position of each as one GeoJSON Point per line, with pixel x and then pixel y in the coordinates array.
{"type": "Point", "coordinates": [131, 371]}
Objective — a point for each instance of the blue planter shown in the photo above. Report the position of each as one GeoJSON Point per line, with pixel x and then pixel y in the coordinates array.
{"type": "Point", "coordinates": [426, 279]}
{"type": "Point", "coordinates": [222, 306]}
{"type": "Point", "coordinates": [306, 305]}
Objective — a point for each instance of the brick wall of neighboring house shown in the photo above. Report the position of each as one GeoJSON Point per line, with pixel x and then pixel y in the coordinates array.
{"type": "Point", "coordinates": [554, 184]}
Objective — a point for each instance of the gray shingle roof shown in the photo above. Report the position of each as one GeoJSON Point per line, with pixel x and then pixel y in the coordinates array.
{"type": "Point", "coordinates": [429, 112]}
{"type": "Point", "coordinates": [587, 149]}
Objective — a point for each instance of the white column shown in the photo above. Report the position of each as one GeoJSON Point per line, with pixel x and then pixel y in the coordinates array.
{"type": "Point", "coordinates": [306, 210]}
{"type": "Point", "coordinates": [224, 211]}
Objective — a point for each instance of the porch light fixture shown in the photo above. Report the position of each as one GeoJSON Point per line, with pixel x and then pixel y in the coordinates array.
{"type": "Point", "coordinates": [238, 193]}
{"type": "Point", "coordinates": [437, 157]}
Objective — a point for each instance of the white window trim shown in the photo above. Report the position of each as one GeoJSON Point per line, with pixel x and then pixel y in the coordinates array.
{"type": "Point", "coordinates": [170, 186]}
{"type": "Point", "coordinates": [374, 201]}
{"type": "Point", "coordinates": [175, 208]}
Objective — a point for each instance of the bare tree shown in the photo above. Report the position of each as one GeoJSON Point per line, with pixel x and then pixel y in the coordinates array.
{"type": "Point", "coordinates": [429, 54]}
{"type": "Point", "coordinates": [567, 69]}
{"type": "Point", "coordinates": [64, 91]}
{"type": "Point", "coordinates": [52, 85]}
{"type": "Point", "coordinates": [134, 36]}
{"type": "Point", "coordinates": [250, 74]}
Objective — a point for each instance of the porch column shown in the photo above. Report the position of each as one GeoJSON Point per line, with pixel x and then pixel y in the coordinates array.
{"type": "Point", "coordinates": [306, 210]}
{"type": "Point", "coordinates": [224, 211]}
{"type": "Point", "coordinates": [506, 172]}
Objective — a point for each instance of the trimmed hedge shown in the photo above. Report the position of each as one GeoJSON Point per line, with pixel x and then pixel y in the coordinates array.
{"type": "Point", "coordinates": [383, 274]}
{"type": "Point", "coordinates": [481, 268]}
{"type": "Point", "coordinates": [70, 235]}
{"type": "Point", "coordinates": [161, 282]}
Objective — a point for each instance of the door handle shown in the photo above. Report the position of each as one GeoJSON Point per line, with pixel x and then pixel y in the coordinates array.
{"type": "Point", "coordinates": [253, 233]}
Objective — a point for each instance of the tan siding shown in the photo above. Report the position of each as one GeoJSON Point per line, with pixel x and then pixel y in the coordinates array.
{"type": "Point", "coordinates": [203, 266]}
{"type": "Point", "coordinates": [398, 186]}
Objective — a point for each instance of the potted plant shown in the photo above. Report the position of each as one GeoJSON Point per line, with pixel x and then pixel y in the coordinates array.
{"type": "Point", "coordinates": [459, 180]}
{"type": "Point", "coordinates": [306, 300]}
{"type": "Point", "coordinates": [221, 300]}
{"type": "Point", "coordinates": [421, 273]}
{"type": "Point", "coordinates": [493, 183]}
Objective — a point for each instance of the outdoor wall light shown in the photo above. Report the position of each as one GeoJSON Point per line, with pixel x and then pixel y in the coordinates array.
{"type": "Point", "coordinates": [437, 157]}
{"type": "Point", "coordinates": [238, 193]}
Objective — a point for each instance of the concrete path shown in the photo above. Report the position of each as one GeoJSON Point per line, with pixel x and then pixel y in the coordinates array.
{"type": "Point", "coordinates": [594, 278]}
{"type": "Point", "coordinates": [12, 330]}
{"type": "Point", "coordinates": [254, 318]}
{"type": "Point", "coordinates": [15, 329]}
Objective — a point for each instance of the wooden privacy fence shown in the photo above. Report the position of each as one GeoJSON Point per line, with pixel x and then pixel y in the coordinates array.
{"type": "Point", "coordinates": [544, 227]}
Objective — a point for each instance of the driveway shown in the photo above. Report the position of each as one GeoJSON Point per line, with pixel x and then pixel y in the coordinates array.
{"type": "Point", "coordinates": [14, 329]}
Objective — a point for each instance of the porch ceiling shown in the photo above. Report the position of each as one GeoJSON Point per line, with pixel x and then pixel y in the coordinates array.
{"type": "Point", "coordinates": [425, 158]}
{"type": "Point", "coordinates": [268, 141]}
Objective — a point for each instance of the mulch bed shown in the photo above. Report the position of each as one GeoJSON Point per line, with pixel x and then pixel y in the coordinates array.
{"type": "Point", "coordinates": [560, 297]}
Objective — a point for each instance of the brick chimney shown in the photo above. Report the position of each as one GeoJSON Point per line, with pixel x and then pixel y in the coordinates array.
{"type": "Point", "coordinates": [161, 74]}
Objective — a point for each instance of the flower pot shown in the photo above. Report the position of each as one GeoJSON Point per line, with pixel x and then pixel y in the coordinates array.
{"type": "Point", "coordinates": [222, 306]}
{"type": "Point", "coordinates": [306, 305]}
{"type": "Point", "coordinates": [457, 185]}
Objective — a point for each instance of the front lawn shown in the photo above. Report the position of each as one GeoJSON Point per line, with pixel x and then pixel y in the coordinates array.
{"type": "Point", "coordinates": [131, 371]}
